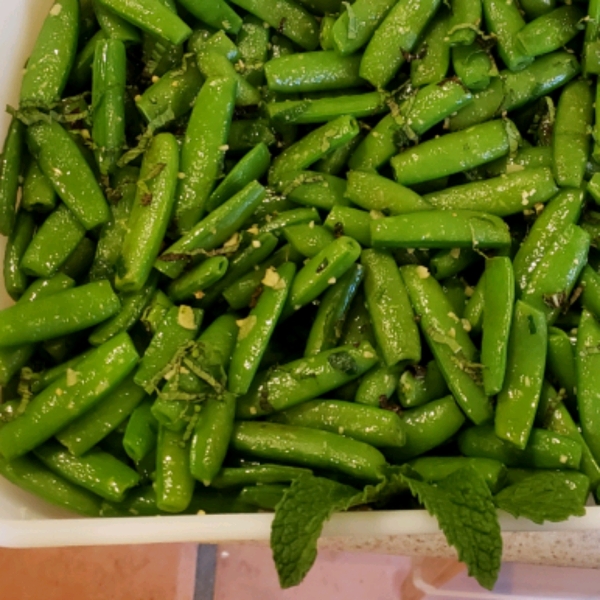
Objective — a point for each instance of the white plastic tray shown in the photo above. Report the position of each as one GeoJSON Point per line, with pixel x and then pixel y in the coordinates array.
{"type": "Point", "coordinates": [26, 521]}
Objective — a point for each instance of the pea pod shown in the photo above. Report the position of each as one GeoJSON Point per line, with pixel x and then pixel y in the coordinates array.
{"type": "Point", "coordinates": [308, 239]}
{"type": "Point", "coordinates": [466, 16]}
{"type": "Point", "coordinates": [371, 425]}
{"type": "Point", "coordinates": [305, 379]}
{"type": "Point", "coordinates": [141, 432]}
{"type": "Point", "coordinates": [15, 279]}
{"type": "Point", "coordinates": [308, 447]}
{"type": "Point", "coordinates": [326, 330]}
{"type": "Point", "coordinates": [498, 301]}
{"type": "Point", "coordinates": [448, 341]}
{"type": "Point", "coordinates": [544, 450]}
{"type": "Point", "coordinates": [98, 472]}
{"type": "Point", "coordinates": [92, 427]}
{"type": "Point", "coordinates": [433, 52]}
{"type": "Point", "coordinates": [152, 17]}
{"type": "Point", "coordinates": [474, 66]}
{"type": "Point", "coordinates": [310, 188]}
{"type": "Point", "coordinates": [216, 13]}
{"type": "Point", "coordinates": [420, 385]}
{"type": "Point", "coordinates": [69, 397]}
{"type": "Point", "coordinates": [53, 55]}
{"type": "Point", "coordinates": [64, 165]}
{"type": "Point", "coordinates": [231, 477]}
{"type": "Point", "coordinates": [115, 27]}
{"type": "Point", "coordinates": [427, 427]}
{"type": "Point", "coordinates": [561, 361]}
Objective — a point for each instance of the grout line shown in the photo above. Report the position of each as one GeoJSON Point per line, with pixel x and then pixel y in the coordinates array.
{"type": "Point", "coordinates": [206, 572]}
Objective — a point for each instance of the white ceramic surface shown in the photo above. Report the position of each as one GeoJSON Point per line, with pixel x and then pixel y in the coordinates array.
{"type": "Point", "coordinates": [26, 521]}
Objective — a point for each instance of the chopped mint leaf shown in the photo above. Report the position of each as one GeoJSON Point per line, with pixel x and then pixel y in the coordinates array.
{"type": "Point", "coordinates": [546, 496]}
{"type": "Point", "coordinates": [464, 508]}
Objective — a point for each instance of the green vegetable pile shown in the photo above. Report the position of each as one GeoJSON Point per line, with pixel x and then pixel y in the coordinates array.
{"type": "Point", "coordinates": [306, 256]}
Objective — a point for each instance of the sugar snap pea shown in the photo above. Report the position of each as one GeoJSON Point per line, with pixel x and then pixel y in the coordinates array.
{"type": "Point", "coordinates": [38, 194]}
{"type": "Point", "coordinates": [114, 27]}
{"type": "Point", "coordinates": [474, 66]}
{"type": "Point", "coordinates": [378, 385]}
{"type": "Point", "coordinates": [351, 222]}
{"type": "Point", "coordinates": [432, 53]}
{"type": "Point", "coordinates": [15, 279]}
{"type": "Point", "coordinates": [420, 385]}
{"type": "Point", "coordinates": [216, 13]}
{"type": "Point", "coordinates": [141, 431]}
{"type": "Point", "coordinates": [561, 361]}
{"type": "Point", "coordinates": [309, 448]}
{"type": "Point", "coordinates": [466, 16]}
{"type": "Point", "coordinates": [308, 239]}
{"type": "Point", "coordinates": [311, 188]}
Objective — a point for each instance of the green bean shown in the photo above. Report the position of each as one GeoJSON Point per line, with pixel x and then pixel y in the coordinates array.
{"type": "Point", "coordinates": [132, 307]}
{"type": "Point", "coordinates": [242, 264]}
{"type": "Point", "coordinates": [256, 329]}
{"type": "Point", "coordinates": [525, 363]}
{"type": "Point", "coordinates": [63, 164]}
{"type": "Point", "coordinates": [308, 447]}
{"type": "Point", "coordinates": [322, 271]}
{"type": "Point", "coordinates": [149, 216]}
{"type": "Point", "coordinates": [66, 312]}
{"type": "Point", "coordinates": [38, 193]}
{"type": "Point", "coordinates": [368, 424]}
{"type": "Point", "coordinates": [550, 31]}
{"type": "Point", "coordinates": [498, 301]}
{"type": "Point", "coordinates": [435, 468]}
{"type": "Point", "coordinates": [29, 474]}
{"type": "Point", "coordinates": [206, 137]}
{"type": "Point", "coordinates": [313, 72]}
{"type": "Point", "coordinates": [15, 279]}
{"type": "Point", "coordinates": [174, 483]}
{"type": "Point", "coordinates": [180, 325]}
{"type": "Point", "coordinates": [514, 90]}
{"type": "Point", "coordinates": [571, 133]}
{"type": "Point", "coordinates": [325, 109]}
{"type": "Point", "coordinates": [53, 243]}
{"type": "Point", "coordinates": [10, 171]}
{"type": "Point", "coordinates": [452, 153]}
{"type": "Point", "coordinates": [433, 52]}
{"type": "Point", "coordinates": [420, 385]}
{"type": "Point", "coordinates": [231, 477]}
{"type": "Point", "coordinates": [328, 323]}
{"type": "Point", "coordinates": [246, 134]}
{"type": "Point", "coordinates": [284, 219]}
{"type": "Point", "coordinates": [554, 416]}
{"type": "Point", "coordinates": [473, 65]}
{"type": "Point", "coordinates": [545, 449]}
{"type": "Point", "coordinates": [500, 196]}
{"type": "Point", "coordinates": [352, 222]}
{"type": "Point", "coordinates": [400, 29]}
{"type": "Point", "coordinates": [561, 360]}
{"type": "Point", "coordinates": [504, 20]}
{"type": "Point", "coordinates": [563, 210]}
{"type": "Point", "coordinates": [52, 57]}
{"type": "Point", "coordinates": [550, 285]}
{"type": "Point", "coordinates": [465, 19]}
{"type": "Point", "coordinates": [372, 192]}
{"type": "Point", "coordinates": [290, 19]}
{"type": "Point", "coordinates": [69, 397]}
{"type": "Point", "coordinates": [427, 107]}
{"type": "Point", "coordinates": [307, 239]}
{"type": "Point", "coordinates": [440, 229]}
{"type": "Point", "coordinates": [108, 101]}
{"type": "Point", "coordinates": [378, 385]}
{"type": "Point", "coordinates": [111, 412]}
{"type": "Point", "coordinates": [390, 310]}
{"type": "Point", "coordinates": [427, 427]}
{"type": "Point", "coordinates": [141, 432]}
{"type": "Point", "coordinates": [216, 13]}
{"type": "Point", "coordinates": [98, 472]}
{"type": "Point", "coordinates": [13, 358]}
{"type": "Point", "coordinates": [305, 379]}
{"type": "Point", "coordinates": [250, 168]}
{"type": "Point", "coordinates": [448, 341]}
{"type": "Point", "coordinates": [114, 27]}
{"type": "Point", "coordinates": [173, 95]}
{"type": "Point", "coordinates": [152, 17]}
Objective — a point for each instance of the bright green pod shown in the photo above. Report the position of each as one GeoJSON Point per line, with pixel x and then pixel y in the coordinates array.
{"type": "Point", "coordinates": [114, 27]}
{"type": "Point", "coordinates": [232, 477]}
{"type": "Point", "coordinates": [433, 53]}
{"type": "Point", "coordinates": [465, 20]}
{"type": "Point", "coordinates": [10, 172]}
{"type": "Point", "coordinates": [216, 13]}
{"type": "Point", "coordinates": [343, 220]}
{"type": "Point", "coordinates": [308, 239]}
{"type": "Point", "coordinates": [419, 385]}
{"type": "Point", "coordinates": [473, 66]}
{"type": "Point", "coordinates": [141, 432]}
{"type": "Point", "coordinates": [15, 279]}
{"type": "Point", "coordinates": [38, 194]}
{"type": "Point", "coordinates": [311, 188]}
{"type": "Point", "coordinates": [52, 57]}
{"type": "Point", "coordinates": [378, 385]}
{"type": "Point", "coordinates": [561, 360]}
{"type": "Point", "coordinates": [193, 283]}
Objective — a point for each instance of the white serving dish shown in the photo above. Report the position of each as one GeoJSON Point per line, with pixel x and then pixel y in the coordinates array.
{"type": "Point", "coordinates": [26, 521]}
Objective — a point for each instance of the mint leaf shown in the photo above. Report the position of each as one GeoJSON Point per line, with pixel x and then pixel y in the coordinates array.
{"type": "Point", "coordinates": [546, 496]}
{"type": "Point", "coordinates": [298, 523]}
{"type": "Point", "coordinates": [464, 508]}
